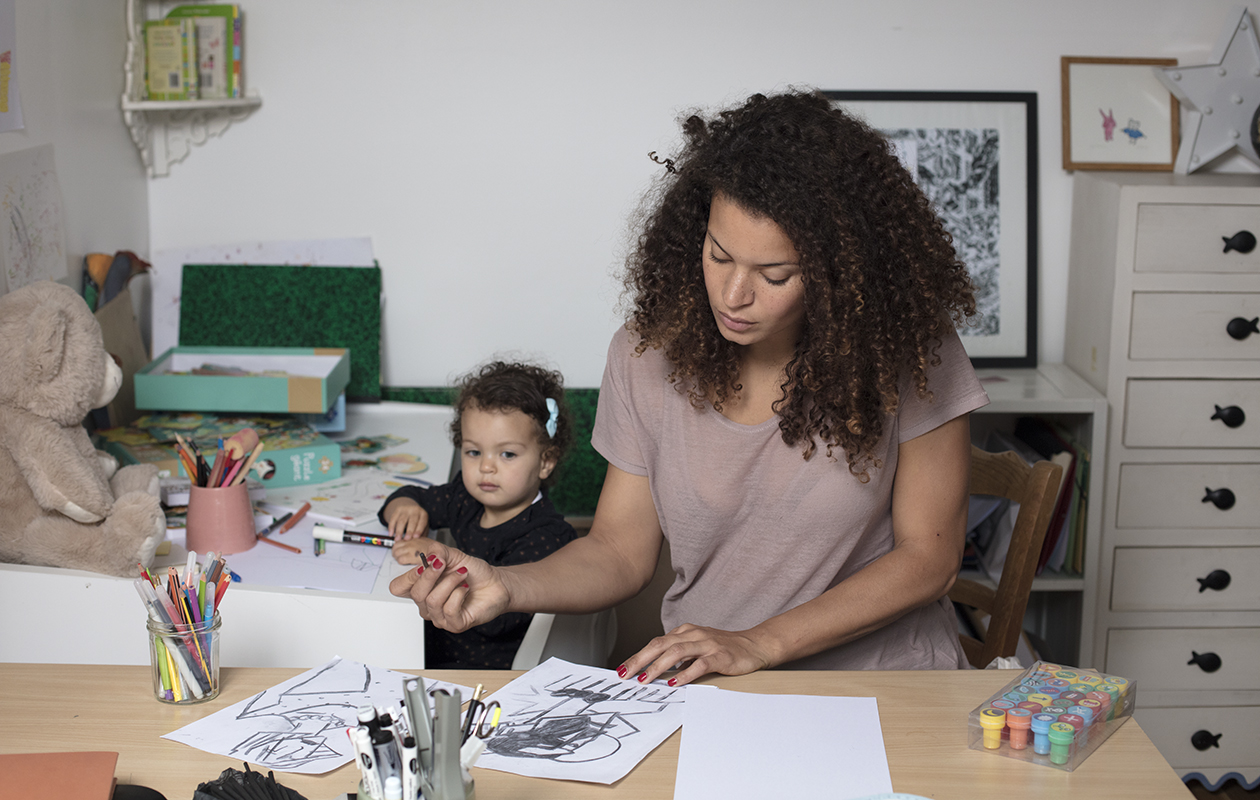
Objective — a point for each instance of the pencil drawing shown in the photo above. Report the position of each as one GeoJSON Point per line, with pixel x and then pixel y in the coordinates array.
{"type": "Point", "coordinates": [576, 719]}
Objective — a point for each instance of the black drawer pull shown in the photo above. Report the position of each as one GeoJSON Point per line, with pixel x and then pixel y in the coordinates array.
{"type": "Point", "coordinates": [1240, 328]}
{"type": "Point", "coordinates": [1221, 498]}
{"type": "Point", "coordinates": [1216, 580]}
{"type": "Point", "coordinates": [1208, 662]}
{"type": "Point", "coordinates": [1243, 242]}
{"type": "Point", "coordinates": [1202, 740]}
{"type": "Point", "coordinates": [1232, 416]}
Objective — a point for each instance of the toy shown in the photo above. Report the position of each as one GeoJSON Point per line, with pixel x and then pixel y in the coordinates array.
{"type": "Point", "coordinates": [62, 503]}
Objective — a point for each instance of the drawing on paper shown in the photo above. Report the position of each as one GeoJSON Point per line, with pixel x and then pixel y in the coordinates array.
{"type": "Point", "coordinates": [576, 718]}
{"type": "Point", "coordinates": [294, 723]}
{"type": "Point", "coordinates": [30, 206]}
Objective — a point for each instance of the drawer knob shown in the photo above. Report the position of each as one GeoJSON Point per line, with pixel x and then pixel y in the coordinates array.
{"type": "Point", "coordinates": [1232, 416]}
{"type": "Point", "coordinates": [1202, 740]}
{"type": "Point", "coordinates": [1216, 580]}
{"type": "Point", "coordinates": [1240, 328]}
{"type": "Point", "coordinates": [1221, 498]}
{"type": "Point", "coordinates": [1208, 662]}
{"type": "Point", "coordinates": [1243, 242]}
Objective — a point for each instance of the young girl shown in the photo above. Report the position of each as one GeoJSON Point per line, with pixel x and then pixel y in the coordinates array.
{"type": "Point", "coordinates": [511, 428]}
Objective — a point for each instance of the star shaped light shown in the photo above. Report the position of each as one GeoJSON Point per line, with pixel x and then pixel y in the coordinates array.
{"type": "Point", "coordinates": [1221, 97]}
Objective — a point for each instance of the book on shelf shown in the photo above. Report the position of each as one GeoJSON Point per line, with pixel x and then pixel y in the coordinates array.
{"type": "Point", "coordinates": [218, 47]}
{"type": "Point", "coordinates": [170, 59]}
{"type": "Point", "coordinates": [1063, 550]}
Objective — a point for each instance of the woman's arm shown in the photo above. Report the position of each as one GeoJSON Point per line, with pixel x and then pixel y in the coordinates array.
{"type": "Point", "coordinates": [929, 515]}
{"type": "Point", "coordinates": [610, 564]}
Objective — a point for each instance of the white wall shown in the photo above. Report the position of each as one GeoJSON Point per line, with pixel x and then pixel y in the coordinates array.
{"type": "Point", "coordinates": [492, 150]}
{"type": "Point", "coordinates": [69, 58]}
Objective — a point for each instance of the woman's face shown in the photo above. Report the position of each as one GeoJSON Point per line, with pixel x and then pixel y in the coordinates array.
{"type": "Point", "coordinates": [753, 278]}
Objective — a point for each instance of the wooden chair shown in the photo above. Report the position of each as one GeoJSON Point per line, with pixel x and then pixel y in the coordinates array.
{"type": "Point", "coordinates": [1035, 488]}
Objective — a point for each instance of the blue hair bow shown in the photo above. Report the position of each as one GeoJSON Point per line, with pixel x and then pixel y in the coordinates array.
{"type": "Point", "coordinates": [553, 409]}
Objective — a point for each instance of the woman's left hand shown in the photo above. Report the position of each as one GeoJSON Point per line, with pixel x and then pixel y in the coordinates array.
{"type": "Point", "coordinates": [700, 650]}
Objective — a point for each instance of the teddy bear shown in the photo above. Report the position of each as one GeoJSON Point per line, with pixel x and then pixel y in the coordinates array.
{"type": "Point", "coordinates": [62, 502]}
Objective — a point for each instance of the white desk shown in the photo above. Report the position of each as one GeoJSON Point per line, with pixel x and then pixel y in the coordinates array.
{"type": "Point", "coordinates": [62, 616]}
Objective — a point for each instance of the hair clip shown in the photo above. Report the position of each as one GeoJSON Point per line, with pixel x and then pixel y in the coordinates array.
{"type": "Point", "coordinates": [667, 162]}
{"type": "Point", "coordinates": [553, 410]}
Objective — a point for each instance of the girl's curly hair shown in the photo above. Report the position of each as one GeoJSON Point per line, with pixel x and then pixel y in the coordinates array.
{"type": "Point", "coordinates": [882, 281]}
{"type": "Point", "coordinates": [514, 386]}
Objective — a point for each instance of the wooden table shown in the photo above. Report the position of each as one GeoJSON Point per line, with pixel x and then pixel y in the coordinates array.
{"type": "Point", "coordinates": [50, 708]}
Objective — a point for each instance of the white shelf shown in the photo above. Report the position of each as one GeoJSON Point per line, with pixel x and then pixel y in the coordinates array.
{"type": "Point", "coordinates": [164, 131]}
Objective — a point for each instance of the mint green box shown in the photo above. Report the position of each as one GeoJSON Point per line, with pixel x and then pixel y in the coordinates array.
{"type": "Point", "coordinates": [306, 380]}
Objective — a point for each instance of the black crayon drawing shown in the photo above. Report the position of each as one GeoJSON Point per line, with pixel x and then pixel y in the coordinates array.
{"type": "Point", "coordinates": [578, 718]}
{"type": "Point", "coordinates": [294, 724]}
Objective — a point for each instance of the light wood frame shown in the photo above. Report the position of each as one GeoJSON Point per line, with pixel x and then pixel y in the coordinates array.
{"type": "Point", "coordinates": [1144, 95]}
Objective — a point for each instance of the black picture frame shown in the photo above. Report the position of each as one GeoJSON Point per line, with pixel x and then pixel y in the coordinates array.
{"type": "Point", "coordinates": [951, 130]}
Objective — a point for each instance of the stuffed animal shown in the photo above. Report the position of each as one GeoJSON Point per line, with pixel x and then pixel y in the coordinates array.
{"type": "Point", "coordinates": [63, 503]}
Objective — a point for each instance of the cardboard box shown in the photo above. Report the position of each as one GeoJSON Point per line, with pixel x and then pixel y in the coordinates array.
{"type": "Point", "coordinates": [265, 380]}
{"type": "Point", "coordinates": [294, 454]}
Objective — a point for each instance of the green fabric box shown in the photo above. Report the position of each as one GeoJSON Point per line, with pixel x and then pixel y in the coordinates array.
{"type": "Point", "coordinates": [306, 380]}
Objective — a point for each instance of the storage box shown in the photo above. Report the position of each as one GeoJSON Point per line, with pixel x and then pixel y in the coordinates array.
{"type": "Point", "coordinates": [267, 380]}
{"type": "Point", "coordinates": [1063, 715]}
{"type": "Point", "coordinates": [294, 454]}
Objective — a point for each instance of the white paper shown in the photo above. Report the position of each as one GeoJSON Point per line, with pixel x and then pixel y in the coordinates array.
{"type": "Point", "coordinates": [168, 271]}
{"type": "Point", "coordinates": [737, 745]}
{"type": "Point", "coordinates": [32, 239]}
{"type": "Point", "coordinates": [579, 723]}
{"type": "Point", "coordinates": [300, 725]}
{"type": "Point", "coordinates": [351, 501]}
{"type": "Point", "coordinates": [342, 567]}
{"type": "Point", "coordinates": [10, 100]}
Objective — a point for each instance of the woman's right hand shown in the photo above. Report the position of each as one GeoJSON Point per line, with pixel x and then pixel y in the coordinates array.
{"type": "Point", "coordinates": [454, 591]}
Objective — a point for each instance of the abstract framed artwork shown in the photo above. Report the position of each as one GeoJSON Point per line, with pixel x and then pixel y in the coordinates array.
{"type": "Point", "coordinates": [1117, 114]}
{"type": "Point", "coordinates": [974, 154]}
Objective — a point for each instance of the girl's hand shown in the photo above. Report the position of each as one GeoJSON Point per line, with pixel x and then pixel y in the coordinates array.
{"type": "Point", "coordinates": [408, 551]}
{"type": "Point", "coordinates": [454, 591]}
{"type": "Point", "coordinates": [406, 519]}
{"type": "Point", "coordinates": [700, 651]}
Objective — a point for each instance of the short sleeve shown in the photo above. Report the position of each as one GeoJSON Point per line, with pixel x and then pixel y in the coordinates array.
{"type": "Point", "coordinates": [955, 390]}
{"type": "Point", "coordinates": [618, 429]}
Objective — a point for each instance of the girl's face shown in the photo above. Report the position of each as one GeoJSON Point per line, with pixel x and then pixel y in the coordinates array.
{"type": "Point", "coordinates": [502, 460]}
{"type": "Point", "coordinates": [753, 278]}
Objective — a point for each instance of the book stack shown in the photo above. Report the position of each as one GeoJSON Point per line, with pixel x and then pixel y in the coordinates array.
{"type": "Point", "coordinates": [990, 525]}
{"type": "Point", "coordinates": [195, 53]}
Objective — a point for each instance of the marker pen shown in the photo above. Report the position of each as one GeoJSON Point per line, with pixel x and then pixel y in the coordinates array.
{"type": "Point", "coordinates": [367, 761]}
{"type": "Point", "coordinates": [353, 537]}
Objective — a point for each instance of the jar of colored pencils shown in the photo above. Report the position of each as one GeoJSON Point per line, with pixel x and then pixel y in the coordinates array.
{"type": "Point", "coordinates": [185, 660]}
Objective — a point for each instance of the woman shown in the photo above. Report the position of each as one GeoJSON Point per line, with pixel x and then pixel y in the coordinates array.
{"type": "Point", "coordinates": [787, 405]}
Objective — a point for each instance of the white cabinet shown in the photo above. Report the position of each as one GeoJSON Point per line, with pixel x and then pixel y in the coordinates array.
{"type": "Point", "coordinates": [164, 132]}
{"type": "Point", "coordinates": [1163, 301]}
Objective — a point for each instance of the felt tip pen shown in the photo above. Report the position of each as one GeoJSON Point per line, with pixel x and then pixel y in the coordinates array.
{"type": "Point", "coordinates": [354, 537]}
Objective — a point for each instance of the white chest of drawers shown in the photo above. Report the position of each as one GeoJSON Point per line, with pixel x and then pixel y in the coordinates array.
{"type": "Point", "coordinates": [1163, 298]}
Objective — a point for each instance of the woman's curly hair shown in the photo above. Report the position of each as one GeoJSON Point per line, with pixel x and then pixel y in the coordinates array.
{"type": "Point", "coordinates": [882, 281]}
{"type": "Point", "coordinates": [515, 386]}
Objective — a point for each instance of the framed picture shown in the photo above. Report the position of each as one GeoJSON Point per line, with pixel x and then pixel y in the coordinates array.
{"type": "Point", "coordinates": [1117, 115]}
{"type": "Point", "coordinates": [974, 154]}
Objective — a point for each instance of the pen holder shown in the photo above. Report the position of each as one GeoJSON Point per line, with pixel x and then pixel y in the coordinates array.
{"type": "Point", "coordinates": [185, 660]}
{"type": "Point", "coordinates": [220, 520]}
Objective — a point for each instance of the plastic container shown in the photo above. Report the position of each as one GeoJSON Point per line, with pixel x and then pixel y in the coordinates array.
{"type": "Point", "coordinates": [1076, 725]}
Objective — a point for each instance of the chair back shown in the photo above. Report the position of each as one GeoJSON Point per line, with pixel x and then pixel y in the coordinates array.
{"type": "Point", "coordinates": [1035, 488]}
{"type": "Point", "coordinates": [578, 638]}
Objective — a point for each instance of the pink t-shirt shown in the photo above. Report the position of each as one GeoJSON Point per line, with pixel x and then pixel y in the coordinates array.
{"type": "Point", "coordinates": [754, 529]}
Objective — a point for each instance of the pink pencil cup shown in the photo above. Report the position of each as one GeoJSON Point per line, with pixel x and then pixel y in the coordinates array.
{"type": "Point", "coordinates": [221, 520]}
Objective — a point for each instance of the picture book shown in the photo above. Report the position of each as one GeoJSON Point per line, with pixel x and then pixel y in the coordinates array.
{"type": "Point", "coordinates": [170, 58]}
{"type": "Point", "coordinates": [218, 36]}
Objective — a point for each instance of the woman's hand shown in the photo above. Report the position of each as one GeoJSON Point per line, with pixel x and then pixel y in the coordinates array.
{"type": "Point", "coordinates": [452, 589]}
{"type": "Point", "coordinates": [701, 651]}
{"type": "Point", "coordinates": [406, 519]}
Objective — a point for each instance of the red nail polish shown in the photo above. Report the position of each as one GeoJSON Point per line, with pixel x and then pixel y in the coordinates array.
{"type": "Point", "coordinates": [420, 570]}
{"type": "Point", "coordinates": [621, 671]}
{"type": "Point", "coordinates": [463, 586]}
{"type": "Point", "coordinates": [673, 681]}
{"type": "Point", "coordinates": [462, 570]}
{"type": "Point", "coordinates": [436, 562]}
{"type": "Point", "coordinates": [642, 677]}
